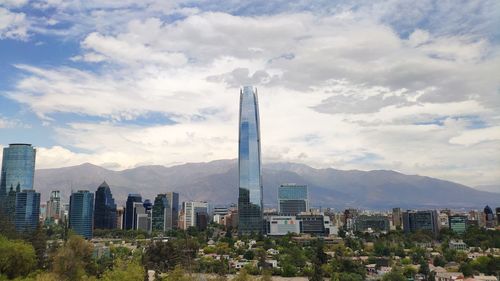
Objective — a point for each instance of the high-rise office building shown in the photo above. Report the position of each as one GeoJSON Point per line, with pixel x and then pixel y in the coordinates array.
{"type": "Point", "coordinates": [17, 174]}
{"type": "Point", "coordinates": [489, 218]}
{"type": "Point", "coordinates": [18, 167]}
{"type": "Point", "coordinates": [421, 220]}
{"type": "Point", "coordinates": [292, 199]}
{"type": "Point", "coordinates": [282, 225]}
{"type": "Point", "coordinates": [120, 214]}
{"type": "Point", "coordinates": [129, 210]}
{"type": "Point", "coordinates": [27, 212]}
{"type": "Point", "coordinates": [142, 215]}
{"type": "Point", "coordinates": [194, 214]}
{"type": "Point", "coordinates": [314, 223]}
{"type": "Point", "coordinates": [458, 223]}
{"type": "Point", "coordinates": [9, 204]}
{"type": "Point", "coordinates": [81, 213]}
{"type": "Point", "coordinates": [104, 208]}
{"type": "Point", "coordinates": [43, 211]}
{"type": "Point", "coordinates": [374, 223]}
{"type": "Point", "coordinates": [53, 210]}
{"type": "Point", "coordinates": [65, 212]}
{"type": "Point", "coordinates": [397, 217]}
{"type": "Point", "coordinates": [443, 221]}
{"type": "Point", "coordinates": [250, 202]}
{"type": "Point", "coordinates": [165, 211]}
{"type": "Point", "coordinates": [497, 211]}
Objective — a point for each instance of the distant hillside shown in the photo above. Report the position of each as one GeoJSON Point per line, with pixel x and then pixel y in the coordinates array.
{"type": "Point", "coordinates": [216, 182]}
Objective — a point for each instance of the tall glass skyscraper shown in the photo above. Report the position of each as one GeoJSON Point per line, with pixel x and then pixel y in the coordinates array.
{"type": "Point", "coordinates": [249, 164]}
{"type": "Point", "coordinates": [129, 210]}
{"type": "Point", "coordinates": [18, 168]}
{"type": "Point", "coordinates": [105, 208]}
{"type": "Point", "coordinates": [27, 211]}
{"type": "Point", "coordinates": [292, 199]}
{"type": "Point", "coordinates": [165, 211]}
{"type": "Point", "coordinates": [81, 213]}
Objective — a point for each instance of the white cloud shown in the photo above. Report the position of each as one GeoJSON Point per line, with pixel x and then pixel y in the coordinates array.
{"type": "Point", "coordinates": [343, 90]}
{"type": "Point", "coordinates": [476, 136]}
{"type": "Point", "coordinates": [13, 3]}
{"type": "Point", "coordinates": [128, 52]}
{"type": "Point", "coordinates": [6, 123]}
{"type": "Point", "coordinates": [13, 25]}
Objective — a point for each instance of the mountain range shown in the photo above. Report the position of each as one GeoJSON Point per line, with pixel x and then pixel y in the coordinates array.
{"type": "Point", "coordinates": [217, 182]}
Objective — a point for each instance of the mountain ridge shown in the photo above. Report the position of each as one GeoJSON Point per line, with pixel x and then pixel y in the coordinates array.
{"type": "Point", "coordinates": [216, 182]}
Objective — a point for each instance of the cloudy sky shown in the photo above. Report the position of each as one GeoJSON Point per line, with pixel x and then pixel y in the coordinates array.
{"type": "Point", "coordinates": [412, 86]}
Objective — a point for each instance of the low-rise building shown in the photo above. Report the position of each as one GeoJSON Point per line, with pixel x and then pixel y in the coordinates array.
{"type": "Point", "coordinates": [375, 223]}
{"type": "Point", "coordinates": [449, 276]}
{"type": "Point", "coordinates": [458, 245]}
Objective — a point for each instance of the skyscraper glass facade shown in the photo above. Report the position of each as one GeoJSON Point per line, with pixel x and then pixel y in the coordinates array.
{"type": "Point", "coordinates": [27, 210]}
{"type": "Point", "coordinates": [292, 199]}
{"type": "Point", "coordinates": [129, 210]}
{"type": "Point", "coordinates": [81, 213]}
{"type": "Point", "coordinates": [250, 179]}
{"type": "Point", "coordinates": [421, 220]}
{"type": "Point", "coordinates": [105, 208]}
{"type": "Point", "coordinates": [18, 168]}
{"type": "Point", "coordinates": [458, 223]}
{"type": "Point", "coordinates": [165, 211]}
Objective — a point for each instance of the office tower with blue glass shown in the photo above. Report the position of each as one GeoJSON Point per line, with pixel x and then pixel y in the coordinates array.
{"type": "Point", "coordinates": [105, 208]}
{"type": "Point", "coordinates": [27, 211]}
{"type": "Point", "coordinates": [165, 212]}
{"type": "Point", "coordinates": [489, 217]}
{"type": "Point", "coordinates": [249, 164]}
{"type": "Point", "coordinates": [129, 210]}
{"type": "Point", "coordinates": [292, 199]}
{"type": "Point", "coordinates": [18, 170]}
{"type": "Point", "coordinates": [18, 167]}
{"type": "Point", "coordinates": [81, 213]}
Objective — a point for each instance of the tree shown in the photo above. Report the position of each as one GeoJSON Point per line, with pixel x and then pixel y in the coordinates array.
{"type": "Point", "coordinates": [73, 260]}
{"type": "Point", "coordinates": [124, 271]}
{"type": "Point", "coordinates": [381, 249]}
{"type": "Point", "coordinates": [178, 274]}
{"type": "Point", "coordinates": [17, 258]}
{"type": "Point", "coordinates": [394, 275]}
{"type": "Point", "coordinates": [8, 229]}
{"type": "Point", "coordinates": [39, 241]}
{"type": "Point", "coordinates": [346, 276]}
{"type": "Point", "coordinates": [161, 256]}
{"type": "Point", "coordinates": [242, 276]}
{"type": "Point", "coordinates": [288, 270]}
{"type": "Point", "coordinates": [439, 261]}
{"type": "Point", "coordinates": [409, 271]}
{"type": "Point", "coordinates": [347, 265]}
{"type": "Point", "coordinates": [267, 275]}
{"type": "Point", "coordinates": [467, 270]}
{"type": "Point", "coordinates": [261, 257]}
{"type": "Point", "coordinates": [249, 255]}
{"type": "Point", "coordinates": [318, 260]}
{"type": "Point", "coordinates": [424, 269]}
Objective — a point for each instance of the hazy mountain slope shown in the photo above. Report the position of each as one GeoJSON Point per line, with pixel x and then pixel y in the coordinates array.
{"type": "Point", "coordinates": [217, 182]}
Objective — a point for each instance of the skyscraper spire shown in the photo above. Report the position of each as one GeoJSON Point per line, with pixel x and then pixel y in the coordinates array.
{"type": "Point", "coordinates": [249, 164]}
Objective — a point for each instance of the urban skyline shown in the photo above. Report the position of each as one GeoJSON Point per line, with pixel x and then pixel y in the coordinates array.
{"type": "Point", "coordinates": [231, 140]}
{"type": "Point", "coordinates": [371, 86]}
